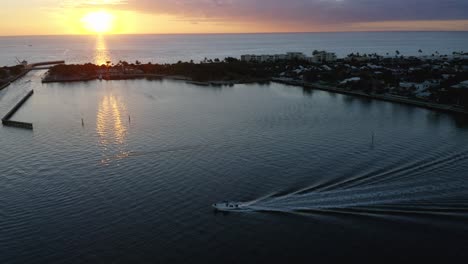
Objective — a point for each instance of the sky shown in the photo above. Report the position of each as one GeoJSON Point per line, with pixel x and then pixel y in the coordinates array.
{"type": "Point", "coordinates": [54, 17]}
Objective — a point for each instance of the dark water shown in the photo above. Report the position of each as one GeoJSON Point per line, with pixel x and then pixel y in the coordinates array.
{"type": "Point", "coordinates": [172, 48]}
{"type": "Point", "coordinates": [135, 183]}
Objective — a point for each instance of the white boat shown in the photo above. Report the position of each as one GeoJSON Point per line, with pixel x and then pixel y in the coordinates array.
{"type": "Point", "coordinates": [229, 206]}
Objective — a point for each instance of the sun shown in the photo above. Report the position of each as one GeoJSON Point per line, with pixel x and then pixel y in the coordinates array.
{"type": "Point", "coordinates": [98, 22]}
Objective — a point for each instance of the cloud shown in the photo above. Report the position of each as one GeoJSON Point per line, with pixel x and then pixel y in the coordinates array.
{"type": "Point", "coordinates": [91, 3]}
{"type": "Point", "coordinates": [316, 12]}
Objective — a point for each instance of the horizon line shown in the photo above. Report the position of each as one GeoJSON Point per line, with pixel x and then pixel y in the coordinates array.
{"type": "Point", "coordinates": [239, 33]}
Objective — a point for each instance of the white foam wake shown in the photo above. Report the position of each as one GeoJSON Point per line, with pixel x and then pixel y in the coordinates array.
{"type": "Point", "coordinates": [417, 195]}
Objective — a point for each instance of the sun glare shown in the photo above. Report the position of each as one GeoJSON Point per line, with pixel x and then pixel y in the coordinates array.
{"type": "Point", "coordinates": [98, 22]}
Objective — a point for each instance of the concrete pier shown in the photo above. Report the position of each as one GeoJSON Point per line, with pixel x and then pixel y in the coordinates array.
{"type": "Point", "coordinates": [44, 63]}
{"type": "Point", "coordinates": [17, 124]}
{"type": "Point", "coordinates": [6, 119]}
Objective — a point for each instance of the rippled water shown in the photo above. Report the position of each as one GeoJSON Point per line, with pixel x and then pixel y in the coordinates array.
{"type": "Point", "coordinates": [134, 182]}
{"type": "Point", "coordinates": [172, 48]}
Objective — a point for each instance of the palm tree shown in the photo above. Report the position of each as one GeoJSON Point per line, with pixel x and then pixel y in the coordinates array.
{"type": "Point", "coordinates": [397, 52]}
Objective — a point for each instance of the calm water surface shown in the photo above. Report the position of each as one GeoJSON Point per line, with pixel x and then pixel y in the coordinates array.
{"type": "Point", "coordinates": [172, 48]}
{"type": "Point", "coordinates": [135, 183]}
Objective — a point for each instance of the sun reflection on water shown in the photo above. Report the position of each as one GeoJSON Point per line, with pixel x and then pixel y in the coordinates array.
{"type": "Point", "coordinates": [101, 54]}
{"type": "Point", "coordinates": [112, 129]}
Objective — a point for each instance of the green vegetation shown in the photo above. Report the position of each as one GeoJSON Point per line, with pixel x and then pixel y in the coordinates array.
{"type": "Point", "coordinates": [429, 80]}
{"type": "Point", "coordinates": [7, 74]}
{"type": "Point", "coordinates": [230, 69]}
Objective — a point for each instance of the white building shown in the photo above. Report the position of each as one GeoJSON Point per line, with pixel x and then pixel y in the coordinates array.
{"type": "Point", "coordinates": [420, 86]}
{"type": "Point", "coordinates": [272, 58]}
{"type": "Point", "coordinates": [462, 85]}
{"type": "Point", "coordinates": [295, 56]}
{"type": "Point", "coordinates": [318, 57]}
{"type": "Point", "coordinates": [246, 58]}
{"type": "Point", "coordinates": [262, 58]}
{"type": "Point", "coordinates": [279, 57]}
{"type": "Point", "coordinates": [323, 56]}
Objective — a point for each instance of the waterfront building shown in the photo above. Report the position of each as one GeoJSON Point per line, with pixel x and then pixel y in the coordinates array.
{"type": "Point", "coordinates": [462, 85]}
{"type": "Point", "coordinates": [247, 58]}
{"type": "Point", "coordinates": [295, 56]}
{"type": "Point", "coordinates": [357, 58]}
{"type": "Point", "coordinates": [420, 86]}
{"type": "Point", "coordinates": [273, 58]}
{"type": "Point", "coordinates": [323, 56]}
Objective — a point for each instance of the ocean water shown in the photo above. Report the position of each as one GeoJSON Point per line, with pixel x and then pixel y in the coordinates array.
{"type": "Point", "coordinates": [172, 48]}
{"type": "Point", "coordinates": [134, 183]}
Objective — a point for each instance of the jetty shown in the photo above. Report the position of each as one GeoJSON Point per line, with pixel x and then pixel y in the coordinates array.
{"type": "Point", "coordinates": [6, 120]}
{"type": "Point", "coordinates": [45, 65]}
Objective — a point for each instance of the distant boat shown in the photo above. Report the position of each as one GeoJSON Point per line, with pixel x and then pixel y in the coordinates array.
{"type": "Point", "coordinates": [229, 206]}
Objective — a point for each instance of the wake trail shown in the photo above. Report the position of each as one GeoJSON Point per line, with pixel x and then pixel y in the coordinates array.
{"type": "Point", "coordinates": [416, 196]}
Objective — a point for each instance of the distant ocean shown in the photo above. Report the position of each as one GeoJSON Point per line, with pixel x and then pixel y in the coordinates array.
{"type": "Point", "coordinates": [172, 48]}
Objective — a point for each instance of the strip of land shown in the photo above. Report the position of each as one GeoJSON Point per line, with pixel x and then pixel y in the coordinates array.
{"type": "Point", "coordinates": [11, 75]}
{"type": "Point", "coordinates": [438, 82]}
{"type": "Point", "coordinates": [382, 97]}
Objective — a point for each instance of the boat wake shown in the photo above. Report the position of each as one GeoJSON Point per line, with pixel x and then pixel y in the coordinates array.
{"type": "Point", "coordinates": [422, 186]}
{"type": "Point", "coordinates": [417, 197]}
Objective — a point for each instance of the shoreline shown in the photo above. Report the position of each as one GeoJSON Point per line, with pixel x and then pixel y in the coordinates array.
{"type": "Point", "coordinates": [411, 81]}
{"type": "Point", "coordinates": [318, 86]}
{"type": "Point", "coordinates": [387, 98]}
{"type": "Point", "coordinates": [155, 76]}
{"type": "Point", "coordinates": [116, 78]}
{"type": "Point", "coordinates": [26, 71]}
